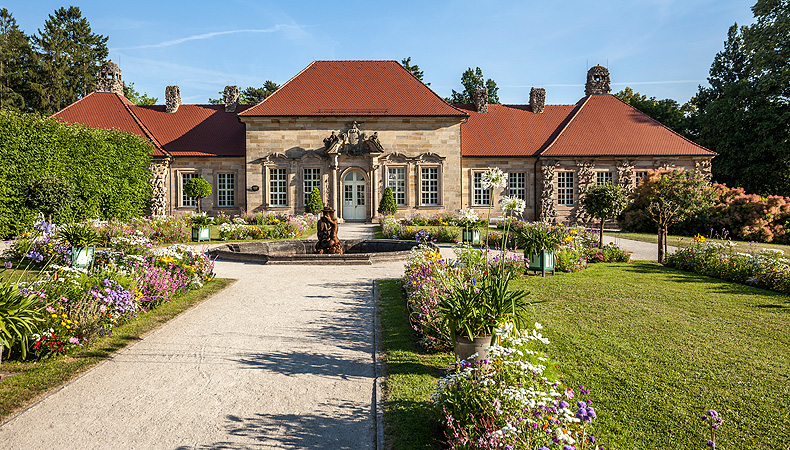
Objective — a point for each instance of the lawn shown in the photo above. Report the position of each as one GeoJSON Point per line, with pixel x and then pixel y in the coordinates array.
{"type": "Point", "coordinates": [657, 347]}
{"type": "Point", "coordinates": [684, 241]}
{"type": "Point", "coordinates": [29, 381]}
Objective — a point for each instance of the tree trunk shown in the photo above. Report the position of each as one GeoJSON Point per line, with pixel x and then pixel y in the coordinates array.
{"type": "Point", "coordinates": [661, 237]}
{"type": "Point", "coordinates": [600, 238]}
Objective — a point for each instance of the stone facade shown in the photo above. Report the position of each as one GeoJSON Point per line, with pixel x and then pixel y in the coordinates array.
{"type": "Point", "coordinates": [209, 168]}
{"type": "Point", "coordinates": [517, 168]}
{"type": "Point", "coordinates": [159, 172]}
{"type": "Point", "coordinates": [368, 146]}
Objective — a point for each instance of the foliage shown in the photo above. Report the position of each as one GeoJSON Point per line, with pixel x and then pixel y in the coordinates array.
{"type": "Point", "coordinates": [534, 238]}
{"type": "Point", "coordinates": [387, 206]}
{"type": "Point", "coordinates": [20, 315]}
{"type": "Point", "coordinates": [314, 204]}
{"type": "Point", "coordinates": [50, 195]}
{"type": "Point", "coordinates": [250, 95]}
{"type": "Point", "coordinates": [744, 115]}
{"type": "Point", "coordinates": [266, 226]}
{"type": "Point", "coordinates": [610, 253]}
{"type": "Point", "coordinates": [69, 56]}
{"type": "Point", "coordinates": [414, 69]}
{"type": "Point", "coordinates": [471, 80]}
{"type": "Point", "coordinates": [16, 65]}
{"type": "Point", "coordinates": [667, 111]}
{"type": "Point", "coordinates": [79, 234]}
{"type": "Point", "coordinates": [197, 188]}
{"type": "Point", "coordinates": [108, 169]}
{"type": "Point", "coordinates": [604, 201]}
{"type": "Point", "coordinates": [199, 220]}
{"type": "Point", "coordinates": [392, 228]}
{"type": "Point", "coordinates": [137, 98]}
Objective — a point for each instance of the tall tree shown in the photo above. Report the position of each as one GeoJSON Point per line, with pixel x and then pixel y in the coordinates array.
{"type": "Point", "coordinates": [471, 80]}
{"type": "Point", "coordinates": [415, 69]}
{"type": "Point", "coordinates": [666, 111]}
{"type": "Point", "coordinates": [745, 113]}
{"type": "Point", "coordinates": [16, 59]}
{"type": "Point", "coordinates": [137, 98]}
{"type": "Point", "coordinates": [250, 95]}
{"type": "Point", "coordinates": [70, 56]}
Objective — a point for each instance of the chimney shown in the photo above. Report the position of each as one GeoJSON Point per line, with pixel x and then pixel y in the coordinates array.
{"type": "Point", "coordinates": [231, 97]}
{"type": "Point", "coordinates": [172, 99]}
{"type": "Point", "coordinates": [598, 81]}
{"type": "Point", "coordinates": [537, 100]}
{"type": "Point", "coordinates": [109, 79]}
{"type": "Point", "coordinates": [481, 100]}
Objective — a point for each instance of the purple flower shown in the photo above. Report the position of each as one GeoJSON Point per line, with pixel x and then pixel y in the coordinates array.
{"type": "Point", "coordinates": [8, 264]}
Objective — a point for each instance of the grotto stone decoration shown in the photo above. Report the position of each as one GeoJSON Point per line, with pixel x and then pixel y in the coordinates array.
{"type": "Point", "coordinates": [625, 174]}
{"type": "Point", "coordinates": [703, 166]}
{"type": "Point", "coordinates": [547, 209]}
{"type": "Point", "coordinates": [110, 79]}
{"type": "Point", "coordinates": [586, 175]}
{"type": "Point", "coordinates": [353, 142]}
{"type": "Point", "coordinates": [598, 82]}
{"type": "Point", "coordinates": [159, 188]}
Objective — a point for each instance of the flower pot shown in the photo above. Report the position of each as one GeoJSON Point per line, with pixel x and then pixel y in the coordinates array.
{"type": "Point", "coordinates": [464, 348]}
{"type": "Point", "coordinates": [472, 235]}
{"type": "Point", "coordinates": [81, 256]}
{"type": "Point", "coordinates": [201, 234]}
{"type": "Point", "coordinates": [542, 261]}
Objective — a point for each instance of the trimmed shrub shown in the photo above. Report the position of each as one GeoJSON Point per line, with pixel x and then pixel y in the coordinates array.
{"type": "Point", "coordinates": [314, 205]}
{"type": "Point", "coordinates": [197, 188]}
{"type": "Point", "coordinates": [387, 205]}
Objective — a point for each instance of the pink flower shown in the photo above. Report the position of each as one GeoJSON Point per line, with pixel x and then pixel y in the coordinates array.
{"type": "Point", "coordinates": [569, 393]}
{"type": "Point", "coordinates": [74, 340]}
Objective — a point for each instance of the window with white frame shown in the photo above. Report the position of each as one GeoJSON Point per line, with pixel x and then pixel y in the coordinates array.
{"type": "Point", "coordinates": [396, 179]}
{"type": "Point", "coordinates": [277, 187]}
{"type": "Point", "coordinates": [603, 177]}
{"type": "Point", "coordinates": [226, 190]}
{"type": "Point", "coordinates": [481, 196]}
{"type": "Point", "coordinates": [311, 178]}
{"type": "Point", "coordinates": [565, 188]}
{"type": "Point", "coordinates": [639, 174]}
{"type": "Point", "coordinates": [517, 185]}
{"type": "Point", "coordinates": [187, 201]}
{"type": "Point", "coordinates": [429, 186]}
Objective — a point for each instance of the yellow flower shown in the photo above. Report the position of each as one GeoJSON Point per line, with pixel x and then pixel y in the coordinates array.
{"type": "Point", "coordinates": [699, 238]}
{"type": "Point", "coordinates": [54, 316]}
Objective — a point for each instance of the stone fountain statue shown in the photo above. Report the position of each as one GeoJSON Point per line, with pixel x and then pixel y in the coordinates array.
{"type": "Point", "coordinates": [327, 234]}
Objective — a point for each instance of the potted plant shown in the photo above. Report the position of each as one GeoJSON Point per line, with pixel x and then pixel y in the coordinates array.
{"type": "Point", "coordinates": [539, 242]}
{"type": "Point", "coordinates": [82, 238]}
{"type": "Point", "coordinates": [201, 230]}
{"type": "Point", "coordinates": [468, 218]}
{"type": "Point", "coordinates": [472, 312]}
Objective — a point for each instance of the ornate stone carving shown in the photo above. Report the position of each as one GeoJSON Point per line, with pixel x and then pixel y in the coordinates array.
{"type": "Point", "coordinates": [481, 100]}
{"type": "Point", "coordinates": [537, 100]}
{"type": "Point", "coordinates": [276, 158]}
{"type": "Point", "coordinates": [231, 98]}
{"type": "Point", "coordinates": [172, 99]}
{"type": "Point", "coordinates": [159, 187]}
{"type": "Point", "coordinates": [665, 164]}
{"type": "Point", "coordinates": [703, 166]}
{"type": "Point", "coordinates": [110, 79]}
{"type": "Point", "coordinates": [586, 176]}
{"type": "Point", "coordinates": [548, 213]}
{"type": "Point", "coordinates": [598, 82]}
{"type": "Point", "coordinates": [353, 142]}
{"type": "Point", "coordinates": [625, 174]}
{"type": "Point", "coordinates": [326, 228]}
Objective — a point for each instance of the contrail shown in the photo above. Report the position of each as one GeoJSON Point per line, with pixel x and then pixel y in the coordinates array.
{"type": "Point", "coordinates": [618, 84]}
{"type": "Point", "coordinates": [198, 37]}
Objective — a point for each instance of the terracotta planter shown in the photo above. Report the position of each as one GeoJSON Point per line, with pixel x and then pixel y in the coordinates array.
{"type": "Point", "coordinates": [81, 256]}
{"type": "Point", "coordinates": [201, 234]}
{"type": "Point", "coordinates": [543, 261]}
{"type": "Point", "coordinates": [464, 348]}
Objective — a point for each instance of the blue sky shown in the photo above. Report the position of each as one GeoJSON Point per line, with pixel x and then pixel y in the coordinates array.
{"type": "Point", "coordinates": [661, 48]}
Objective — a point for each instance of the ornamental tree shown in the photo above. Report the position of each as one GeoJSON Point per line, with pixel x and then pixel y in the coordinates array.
{"type": "Point", "coordinates": [314, 205]}
{"type": "Point", "coordinates": [604, 201]}
{"type": "Point", "coordinates": [197, 188]}
{"type": "Point", "coordinates": [388, 205]}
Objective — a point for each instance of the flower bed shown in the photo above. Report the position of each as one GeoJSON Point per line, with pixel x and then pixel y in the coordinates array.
{"type": "Point", "coordinates": [767, 269]}
{"type": "Point", "coordinates": [393, 228]}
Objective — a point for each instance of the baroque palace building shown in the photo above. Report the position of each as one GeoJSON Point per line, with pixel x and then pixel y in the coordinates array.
{"type": "Point", "coordinates": [353, 128]}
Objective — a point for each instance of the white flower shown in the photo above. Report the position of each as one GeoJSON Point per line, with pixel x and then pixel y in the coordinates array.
{"type": "Point", "coordinates": [504, 329]}
{"type": "Point", "coordinates": [512, 205]}
{"type": "Point", "coordinates": [467, 217]}
{"type": "Point", "coordinates": [538, 326]}
{"type": "Point", "coordinates": [494, 178]}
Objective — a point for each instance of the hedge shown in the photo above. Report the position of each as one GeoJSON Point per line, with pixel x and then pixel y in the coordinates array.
{"type": "Point", "coordinates": [109, 169]}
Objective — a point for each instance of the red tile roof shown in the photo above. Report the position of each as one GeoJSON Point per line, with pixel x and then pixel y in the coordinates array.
{"type": "Point", "coordinates": [193, 130]}
{"type": "Point", "coordinates": [510, 130]}
{"type": "Point", "coordinates": [606, 126]}
{"type": "Point", "coordinates": [353, 88]}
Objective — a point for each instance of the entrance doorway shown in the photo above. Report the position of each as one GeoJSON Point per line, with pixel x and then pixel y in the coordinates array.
{"type": "Point", "coordinates": [354, 198]}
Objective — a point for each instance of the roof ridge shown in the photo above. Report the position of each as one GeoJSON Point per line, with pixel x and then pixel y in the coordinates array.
{"type": "Point", "coordinates": [278, 89]}
{"type": "Point", "coordinates": [662, 125]}
{"type": "Point", "coordinates": [426, 87]}
{"type": "Point", "coordinates": [569, 120]}
{"type": "Point", "coordinates": [145, 128]}
{"type": "Point", "coordinates": [68, 107]}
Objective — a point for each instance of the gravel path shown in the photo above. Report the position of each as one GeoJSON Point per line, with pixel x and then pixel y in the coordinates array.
{"type": "Point", "coordinates": [640, 251]}
{"type": "Point", "coordinates": [283, 358]}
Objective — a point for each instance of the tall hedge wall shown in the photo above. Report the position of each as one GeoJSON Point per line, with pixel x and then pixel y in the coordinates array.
{"type": "Point", "coordinates": [108, 169]}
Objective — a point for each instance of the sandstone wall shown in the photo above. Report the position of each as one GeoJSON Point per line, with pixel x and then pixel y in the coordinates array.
{"type": "Point", "coordinates": [208, 168]}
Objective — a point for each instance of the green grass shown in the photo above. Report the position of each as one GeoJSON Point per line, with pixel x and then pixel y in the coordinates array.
{"type": "Point", "coordinates": [655, 346]}
{"type": "Point", "coordinates": [409, 422]}
{"type": "Point", "coordinates": [684, 241]}
{"type": "Point", "coordinates": [32, 380]}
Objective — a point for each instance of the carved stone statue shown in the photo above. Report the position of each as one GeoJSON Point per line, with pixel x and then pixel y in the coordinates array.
{"type": "Point", "coordinates": [327, 234]}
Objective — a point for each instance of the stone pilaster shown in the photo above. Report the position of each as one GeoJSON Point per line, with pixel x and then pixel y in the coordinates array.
{"type": "Point", "coordinates": [159, 187]}
{"type": "Point", "coordinates": [548, 212]}
{"type": "Point", "coordinates": [625, 175]}
{"type": "Point", "coordinates": [586, 177]}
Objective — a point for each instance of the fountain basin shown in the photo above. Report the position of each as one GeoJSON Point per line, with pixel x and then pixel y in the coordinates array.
{"type": "Point", "coordinates": [355, 251]}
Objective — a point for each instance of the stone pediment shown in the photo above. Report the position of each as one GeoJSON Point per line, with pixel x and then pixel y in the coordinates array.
{"type": "Point", "coordinates": [353, 142]}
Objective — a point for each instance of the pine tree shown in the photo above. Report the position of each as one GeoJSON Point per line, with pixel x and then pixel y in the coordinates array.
{"type": "Point", "coordinates": [16, 59]}
{"type": "Point", "coordinates": [70, 56]}
{"type": "Point", "coordinates": [387, 205]}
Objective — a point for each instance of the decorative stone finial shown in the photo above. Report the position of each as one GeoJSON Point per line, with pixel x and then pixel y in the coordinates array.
{"type": "Point", "coordinates": [231, 97]}
{"type": "Point", "coordinates": [537, 100]}
{"type": "Point", "coordinates": [598, 82]}
{"type": "Point", "coordinates": [481, 100]}
{"type": "Point", "coordinates": [110, 79]}
{"type": "Point", "coordinates": [172, 99]}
